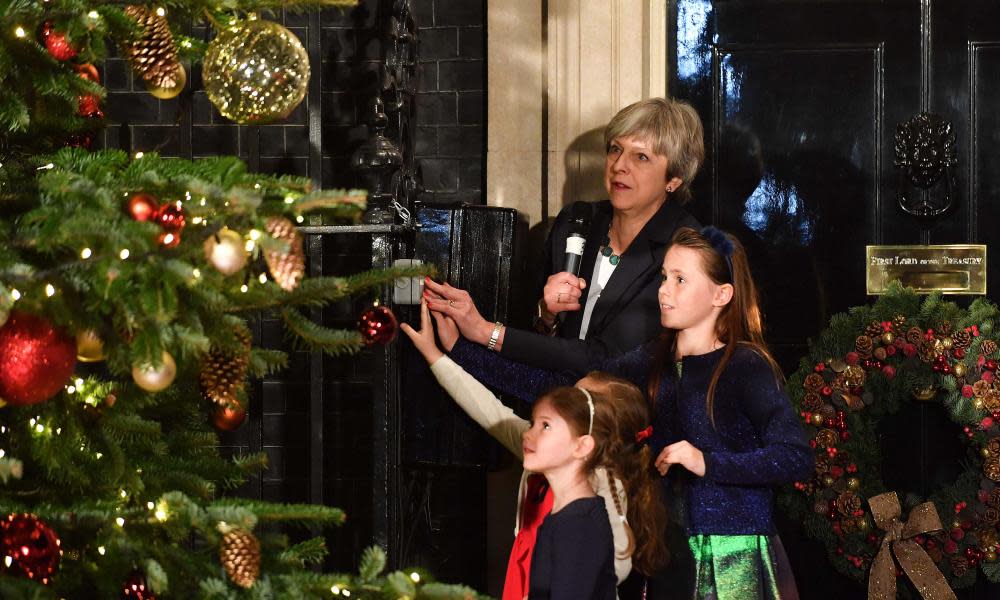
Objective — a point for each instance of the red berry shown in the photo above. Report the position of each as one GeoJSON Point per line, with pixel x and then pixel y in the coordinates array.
{"type": "Point", "coordinates": [986, 423]}
{"type": "Point", "coordinates": [819, 367]}
{"type": "Point", "coordinates": [845, 435]}
{"type": "Point", "coordinates": [852, 358]}
{"type": "Point", "coordinates": [909, 350]}
{"type": "Point", "coordinates": [959, 352]}
{"type": "Point", "coordinates": [967, 391]}
{"type": "Point", "coordinates": [957, 534]}
{"type": "Point", "coordinates": [889, 371]}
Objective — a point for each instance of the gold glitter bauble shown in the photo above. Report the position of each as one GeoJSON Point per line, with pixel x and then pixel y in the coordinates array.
{"type": "Point", "coordinates": [255, 72]}
{"type": "Point", "coordinates": [991, 556]}
{"type": "Point", "coordinates": [888, 337]}
{"type": "Point", "coordinates": [168, 92]}
{"type": "Point", "coordinates": [947, 343]}
{"type": "Point", "coordinates": [225, 251]}
{"type": "Point", "coordinates": [959, 370]}
{"type": "Point", "coordinates": [817, 419]}
{"type": "Point", "coordinates": [89, 347]}
{"type": "Point", "coordinates": [853, 483]}
{"type": "Point", "coordinates": [155, 379]}
{"type": "Point", "coordinates": [978, 404]}
{"type": "Point", "coordinates": [827, 480]}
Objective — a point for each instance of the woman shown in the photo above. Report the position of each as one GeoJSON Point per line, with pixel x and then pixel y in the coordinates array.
{"type": "Point", "coordinates": [654, 149]}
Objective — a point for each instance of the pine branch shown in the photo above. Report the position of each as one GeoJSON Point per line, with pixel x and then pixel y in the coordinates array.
{"type": "Point", "coordinates": [335, 342]}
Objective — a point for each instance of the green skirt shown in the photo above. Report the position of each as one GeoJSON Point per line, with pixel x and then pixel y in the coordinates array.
{"type": "Point", "coordinates": [741, 567]}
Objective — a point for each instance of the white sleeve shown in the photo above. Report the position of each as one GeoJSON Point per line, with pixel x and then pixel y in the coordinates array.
{"type": "Point", "coordinates": [480, 404]}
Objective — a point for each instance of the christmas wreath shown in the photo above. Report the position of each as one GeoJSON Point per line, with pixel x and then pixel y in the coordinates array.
{"type": "Point", "coordinates": [873, 362]}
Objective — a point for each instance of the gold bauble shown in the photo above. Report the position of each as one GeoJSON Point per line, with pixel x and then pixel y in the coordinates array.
{"type": "Point", "coordinates": [959, 369]}
{"type": "Point", "coordinates": [817, 419]}
{"type": "Point", "coordinates": [990, 556]}
{"type": "Point", "coordinates": [853, 483]}
{"type": "Point", "coordinates": [888, 337]}
{"type": "Point", "coordinates": [155, 378]}
{"type": "Point", "coordinates": [978, 404]}
{"type": "Point", "coordinates": [166, 93]}
{"type": "Point", "coordinates": [924, 394]}
{"type": "Point", "coordinates": [862, 524]}
{"type": "Point", "coordinates": [947, 343]}
{"type": "Point", "coordinates": [225, 251]}
{"type": "Point", "coordinates": [828, 480]}
{"type": "Point", "coordinates": [89, 346]}
{"type": "Point", "coordinates": [985, 452]}
{"type": "Point", "coordinates": [255, 72]}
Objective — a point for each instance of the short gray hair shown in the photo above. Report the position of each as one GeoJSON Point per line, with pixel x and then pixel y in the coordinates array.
{"type": "Point", "coordinates": [672, 128]}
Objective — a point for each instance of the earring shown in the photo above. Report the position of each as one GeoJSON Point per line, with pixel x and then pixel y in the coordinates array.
{"type": "Point", "coordinates": [670, 190]}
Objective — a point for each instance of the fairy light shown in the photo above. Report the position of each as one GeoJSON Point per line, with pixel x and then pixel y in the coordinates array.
{"type": "Point", "coordinates": [32, 422]}
{"type": "Point", "coordinates": [7, 560]}
{"type": "Point", "coordinates": [16, 295]}
{"type": "Point", "coordinates": [93, 14]}
{"type": "Point", "coordinates": [120, 521]}
{"type": "Point", "coordinates": [160, 12]}
{"type": "Point", "coordinates": [196, 273]}
{"type": "Point", "coordinates": [46, 167]}
{"type": "Point", "coordinates": [58, 430]}
{"type": "Point", "coordinates": [168, 239]}
{"type": "Point", "coordinates": [50, 290]}
{"type": "Point", "coordinates": [123, 254]}
{"type": "Point", "coordinates": [262, 278]}
{"type": "Point", "coordinates": [299, 219]}
{"type": "Point", "coordinates": [196, 220]}
{"type": "Point", "coordinates": [2, 453]}
{"type": "Point", "coordinates": [335, 590]}
{"type": "Point", "coordinates": [99, 455]}
{"type": "Point", "coordinates": [249, 246]}
{"type": "Point", "coordinates": [347, 592]}
{"type": "Point", "coordinates": [40, 428]}
{"type": "Point", "coordinates": [101, 550]}
{"type": "Point", "coordinates": [244, 288]}
{"type": "Point", "coordinates": [139, 155]}
{"type": "Point", "coordinates": [70, 390]}
{"type": "Point", "coordinates": [289, 200]}
{"type": "Point", "coordinates": [150, 505]}
{"type": "Point", "coordinates": [19, 32]}
{"type": "Point", "coordinates": [78, 382]}
{"type": "Point", "coordinates": [123, 494]}
{"type": "Point", "coordinates": [186, 43]}
{"type": "Point", "coordinates": [254, 235]}
{"type": "Point", "coordinates": [203, 201]}
{"type": "Point", "coordinates": [415, 577]}
{"type": "Point", "coordinates": [86, 253]}
{"type": "Point", "coordinates": [161, 515]}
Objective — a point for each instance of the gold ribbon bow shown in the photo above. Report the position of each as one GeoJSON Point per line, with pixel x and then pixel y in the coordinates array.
{"type": "Point", "coordinates": [911, 556]}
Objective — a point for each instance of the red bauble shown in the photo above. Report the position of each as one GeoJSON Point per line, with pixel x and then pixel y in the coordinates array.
{"type": "Point", "coordinates": [142, 207]}
{"type": "Point", "coordinates": [135, 587]}
{"type": "Point", "coordinates": [88, 72]}
{"type": "Point", "coordinates": [89, 106]}
{"type": "Point", "coordinates": [170, 217]}
{"type": "Point", "coordinates": [36, 359]}
{"type": "Point", "coordinates": [377, 325]}
{"type": "Point", "coordinates": [31, 544]}
{"type": "Point", "coordinates": [229, 417]}
{"type": "Point", "coordinates": [82, 140]}
{"type": "Point", "coordinates": [56, 43]}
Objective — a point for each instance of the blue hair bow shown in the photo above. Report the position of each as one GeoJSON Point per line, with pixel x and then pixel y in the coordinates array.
{"type": "Point", "coordinates": [721, 244]}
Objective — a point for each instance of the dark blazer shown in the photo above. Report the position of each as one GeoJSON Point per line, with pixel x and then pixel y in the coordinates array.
{"type": "Point", "coordinates": [627, 313]}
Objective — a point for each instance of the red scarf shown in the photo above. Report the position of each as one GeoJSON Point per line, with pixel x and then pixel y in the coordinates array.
{"type": "Point", "coordinates": [535, 506]}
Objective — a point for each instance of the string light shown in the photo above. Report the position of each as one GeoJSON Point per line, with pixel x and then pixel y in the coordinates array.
{"type": "Point", "coordinates": [195, 273]}
{"type": "Point", "coordinates": [262, 278]}
{"type": "Point", "coordinates": [254, 235]}
{"type": "Point", "coordinates": [160, 12]}
{"type": "Point", "coordinates": [123, 254]}
{"type": "Point", "coordinates": [19, 32]}
{"type": "Point", "coordinates": [289, 200]}
{"type": "Point", "coordinates": [70, 390]}
{"type": "Point", "coordinates": [161, 515]}
{"type": "Point", "coordinates": [16, 295]}
{"type": "Point", "coordinates": [7, 560]}
{"type": "Point", "coordinates": [168, 239]}
{"type": "Point", "coordinates": [150, 505]}
{"type": "Point", "coordinates": [86, 253]}
{"type": "Point", "coordinates": [415, 577]}
{"type": "Point", "coordinates": [299, 219]}
{"type": "Point", "coordinates": [50, 290]}
{"type": "Point", "coordinates": [2, 453]}
{"type": "Point", "coordinates": [101, 550]}
{"type": "Point", "coordinates": [335, 590]}
{"type": "Point", "coordinates": [78, 382]}
{"type": "Point", "coordinates": [39, 428]}
{"type": "Point", "coordinates": [139, 155]}
{"type": "Point", "coordinates": [46, 167]}
{"type": "Point", "coordinates": [203, 201]}
{"type": "Point", "coordinates": [93, 14]}
{"type": "Point", "coordinates": [249, 246]}
{"type": "Point", "coordinates": [196, 220]}
{"type": "Point", "coordinates": [123, 494]}
{"type": "Point", "coordinates": [244, 288]}
{"type": "Point", "coordinates": [120, 521]}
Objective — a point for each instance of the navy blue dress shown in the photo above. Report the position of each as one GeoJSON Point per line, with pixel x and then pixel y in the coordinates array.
{"type": "Point", "coordinates": [574, 554]}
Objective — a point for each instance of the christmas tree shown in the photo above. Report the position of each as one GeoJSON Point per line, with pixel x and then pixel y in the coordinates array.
{"type": "Point", "coordinates": [126, 285]}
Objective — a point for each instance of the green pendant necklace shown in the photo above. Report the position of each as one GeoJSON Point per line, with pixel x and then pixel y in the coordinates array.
{"type": "Point", "coordinates": [608, 253]}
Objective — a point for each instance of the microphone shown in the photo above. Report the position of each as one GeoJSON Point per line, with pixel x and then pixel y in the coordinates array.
{"type": "Point", "coordinates": [579, 225]}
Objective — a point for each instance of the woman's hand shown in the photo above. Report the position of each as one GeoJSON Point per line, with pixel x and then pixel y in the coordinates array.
{"type": "Point", "coordinates": [424, 339]}
{"type": "Point", "coordinates": [683, 454]}
{"type": "Point", "coordinates": [561, 293]}
{"type": "Point", "coordinates": [458, 305]}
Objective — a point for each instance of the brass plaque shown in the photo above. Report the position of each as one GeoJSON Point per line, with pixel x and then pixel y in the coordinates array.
{"type": "Point", "coordinates": [949, 269]}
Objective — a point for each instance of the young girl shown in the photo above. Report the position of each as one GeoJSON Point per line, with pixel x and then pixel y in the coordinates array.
{"type": "Point", "coordinates": [722, 415]}
{"type": "Point", "coordinates": [584, 453]}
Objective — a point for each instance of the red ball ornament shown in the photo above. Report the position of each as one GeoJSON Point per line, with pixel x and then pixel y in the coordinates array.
{"type": "Point", "coordinates": [909, 350]}
{"type": "Point", "coordinates": [170, 217]}
{"type": "Point", "coordinates": [88, 71]}
{"type": "Point", "coordinates": [31, 545]}
{"type": "Point", "coordinates": [56, 43]}
{"type": "Point", "coordinates": [852, 358]}
{"type": "Point", "coordinates": [377, 325]}
{"type": "Point", "coordinates": [889, 371]}
{"type": "Point", "coordinates": [141, 207]}
{"type": "Point", "coordinates": [135, 587]}
{"type": "Point", "coordinates": [36, 359]}
{"type": "Point", "coordinates": [89, 106]}
{"type": "Point", "coordinates": [967, 391]}
{"type": "Point", "coordinates": [991, 365]}
{"type": "Point", "coordinates": [229, 417]}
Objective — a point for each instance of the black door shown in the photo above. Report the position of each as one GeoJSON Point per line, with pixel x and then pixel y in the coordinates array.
{"type": "Point", "coordinates": [800, 100]}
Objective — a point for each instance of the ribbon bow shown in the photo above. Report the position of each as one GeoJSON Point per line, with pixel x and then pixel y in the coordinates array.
{"type": "Point", "coordinates": [911, 556]}
{"type": "Point", "coordinates": [644, 434]}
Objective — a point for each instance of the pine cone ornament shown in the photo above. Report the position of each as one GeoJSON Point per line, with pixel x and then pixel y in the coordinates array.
{"type": "Point", "coordinates": [914, 335]}
{"type": "Point", "coordinates": [993, 446]}
{"type": "Point", "coordinates": [898, 321]}
{"type": "Point", "coordinates": [929, 350]}
{"type": "Point", "coordinates": [994, 500]}
{"type": "Point", "coordinates": [848, 503]}
{"type": "Point", "coordinates": [240, 556]}
{"type": "Point", "coordinates": [991, 468]}
{"type": "Point", "coordinates": [223, 374]}
{"type": "Point", "coordinates": [989, 347]}
{"type": "Point", "coordinates": [812, 401]}
{"type": "Point", "coordinates": [863, 346]}
{"type": "Point", "coordinates": [961, 339]}
{"type": "Point", "coordinates": [945, 327]}
{"type": "Point", "coordinates": [827, 438]}
{"type": "Point", "coordinates": [991, 400]}
{"type": "Point", "coordinates": [154, 56]}
{"type": "Point", "coordinates": [287, 267]}
{"type": "Point", "coordinates": [959, 565]}
{"type": "Point", "coordinates": [813, 382]}
{"type": "Point", "coordinates": [874, 329]}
